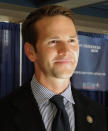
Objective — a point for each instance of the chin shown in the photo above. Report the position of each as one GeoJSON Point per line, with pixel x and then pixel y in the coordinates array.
{"type": "Point", "coordinates": [63, 75]}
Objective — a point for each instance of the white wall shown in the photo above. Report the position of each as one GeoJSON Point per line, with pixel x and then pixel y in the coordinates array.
{"type": "Point", "coordinates": [15, 13]}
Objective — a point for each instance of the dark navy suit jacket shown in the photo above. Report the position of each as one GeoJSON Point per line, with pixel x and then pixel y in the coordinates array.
{"type": "Point", "coordinates": [19, 112]}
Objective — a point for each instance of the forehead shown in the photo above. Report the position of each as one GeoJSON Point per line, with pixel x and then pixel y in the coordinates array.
{"type": "Point", "coordinates": [45, 18]}
{"type": "Point", "coordinates": [55, 23]}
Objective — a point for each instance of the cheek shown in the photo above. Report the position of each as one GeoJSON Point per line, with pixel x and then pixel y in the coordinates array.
{"type": "Point", "coordinates": [45, 56]}
{"type": "Point", "coordinates": [50, 51]}
{"type": "Point", "coordinates": [75, 51]}
{"type": "Point", "coordinates": [76, 48]}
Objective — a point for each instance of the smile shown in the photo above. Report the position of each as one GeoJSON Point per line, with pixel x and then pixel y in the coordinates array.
{"type": "Point", "coordinates": [64, 61]}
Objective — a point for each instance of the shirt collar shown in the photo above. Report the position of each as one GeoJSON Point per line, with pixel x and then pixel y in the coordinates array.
{"type": "Point", "coordinates": [68, 94]}
{"type": "Point", "coordinates": [43, 94]}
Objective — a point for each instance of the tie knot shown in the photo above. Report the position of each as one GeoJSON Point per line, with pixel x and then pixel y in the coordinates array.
{"type": "Point", "coordinates": [58, 101]}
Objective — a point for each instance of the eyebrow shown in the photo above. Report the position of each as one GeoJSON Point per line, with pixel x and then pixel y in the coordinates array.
{"type": "Point", "coordinates": [75, 36]}
{"type": "Point", "coordinates": [56, 37]}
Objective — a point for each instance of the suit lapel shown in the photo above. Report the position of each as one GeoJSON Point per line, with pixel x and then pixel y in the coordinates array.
{"type": "Point", "coordinates": [87, 117]}
{"type": "Point", "coordinates": [27, 116]}
{"type": "Point", "coordinates": [84, 119]}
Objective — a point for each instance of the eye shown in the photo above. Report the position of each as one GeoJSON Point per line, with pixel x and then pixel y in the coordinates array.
{"type": "Point", "coordinates": [72, 41]}
{"type": "Point", "coordinates": [52, 42]}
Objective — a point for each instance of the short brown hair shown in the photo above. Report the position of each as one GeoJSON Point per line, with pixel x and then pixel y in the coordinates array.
{"type": "Point", "coordinates": [29, 33]}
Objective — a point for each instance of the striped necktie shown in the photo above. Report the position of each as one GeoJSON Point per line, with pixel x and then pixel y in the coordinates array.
{"type": "Point", "coordinates": [61, 120]}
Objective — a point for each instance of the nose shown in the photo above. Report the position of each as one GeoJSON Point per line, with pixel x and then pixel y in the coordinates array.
{"type": "Point", "coordinates": [64, 48]}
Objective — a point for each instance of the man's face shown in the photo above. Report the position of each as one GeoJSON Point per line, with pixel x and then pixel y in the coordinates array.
{"type": "Point", "coordinates": [57, 47]}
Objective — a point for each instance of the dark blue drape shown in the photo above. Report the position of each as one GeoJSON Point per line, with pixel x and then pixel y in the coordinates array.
{"type": "Point", "coordinates": [9, 57]}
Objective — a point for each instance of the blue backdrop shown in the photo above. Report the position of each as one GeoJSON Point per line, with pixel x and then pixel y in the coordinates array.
{"type": "Point", "coordinates": [91, 74]}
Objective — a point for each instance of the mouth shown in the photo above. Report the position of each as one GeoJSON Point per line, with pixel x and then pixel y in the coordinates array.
{"type": "Point", "coordinates": [63, 61]}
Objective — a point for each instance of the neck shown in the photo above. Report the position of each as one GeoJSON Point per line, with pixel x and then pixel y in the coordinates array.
{"type": "Point", "coordinates": [56, 85]}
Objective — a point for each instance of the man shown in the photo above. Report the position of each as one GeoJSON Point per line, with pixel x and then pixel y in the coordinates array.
{"type": "Point", "coordinates": [51, 43]}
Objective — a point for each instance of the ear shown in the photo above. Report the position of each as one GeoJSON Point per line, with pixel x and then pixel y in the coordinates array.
{"type": "Point", "coordinates": [30, 52]}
